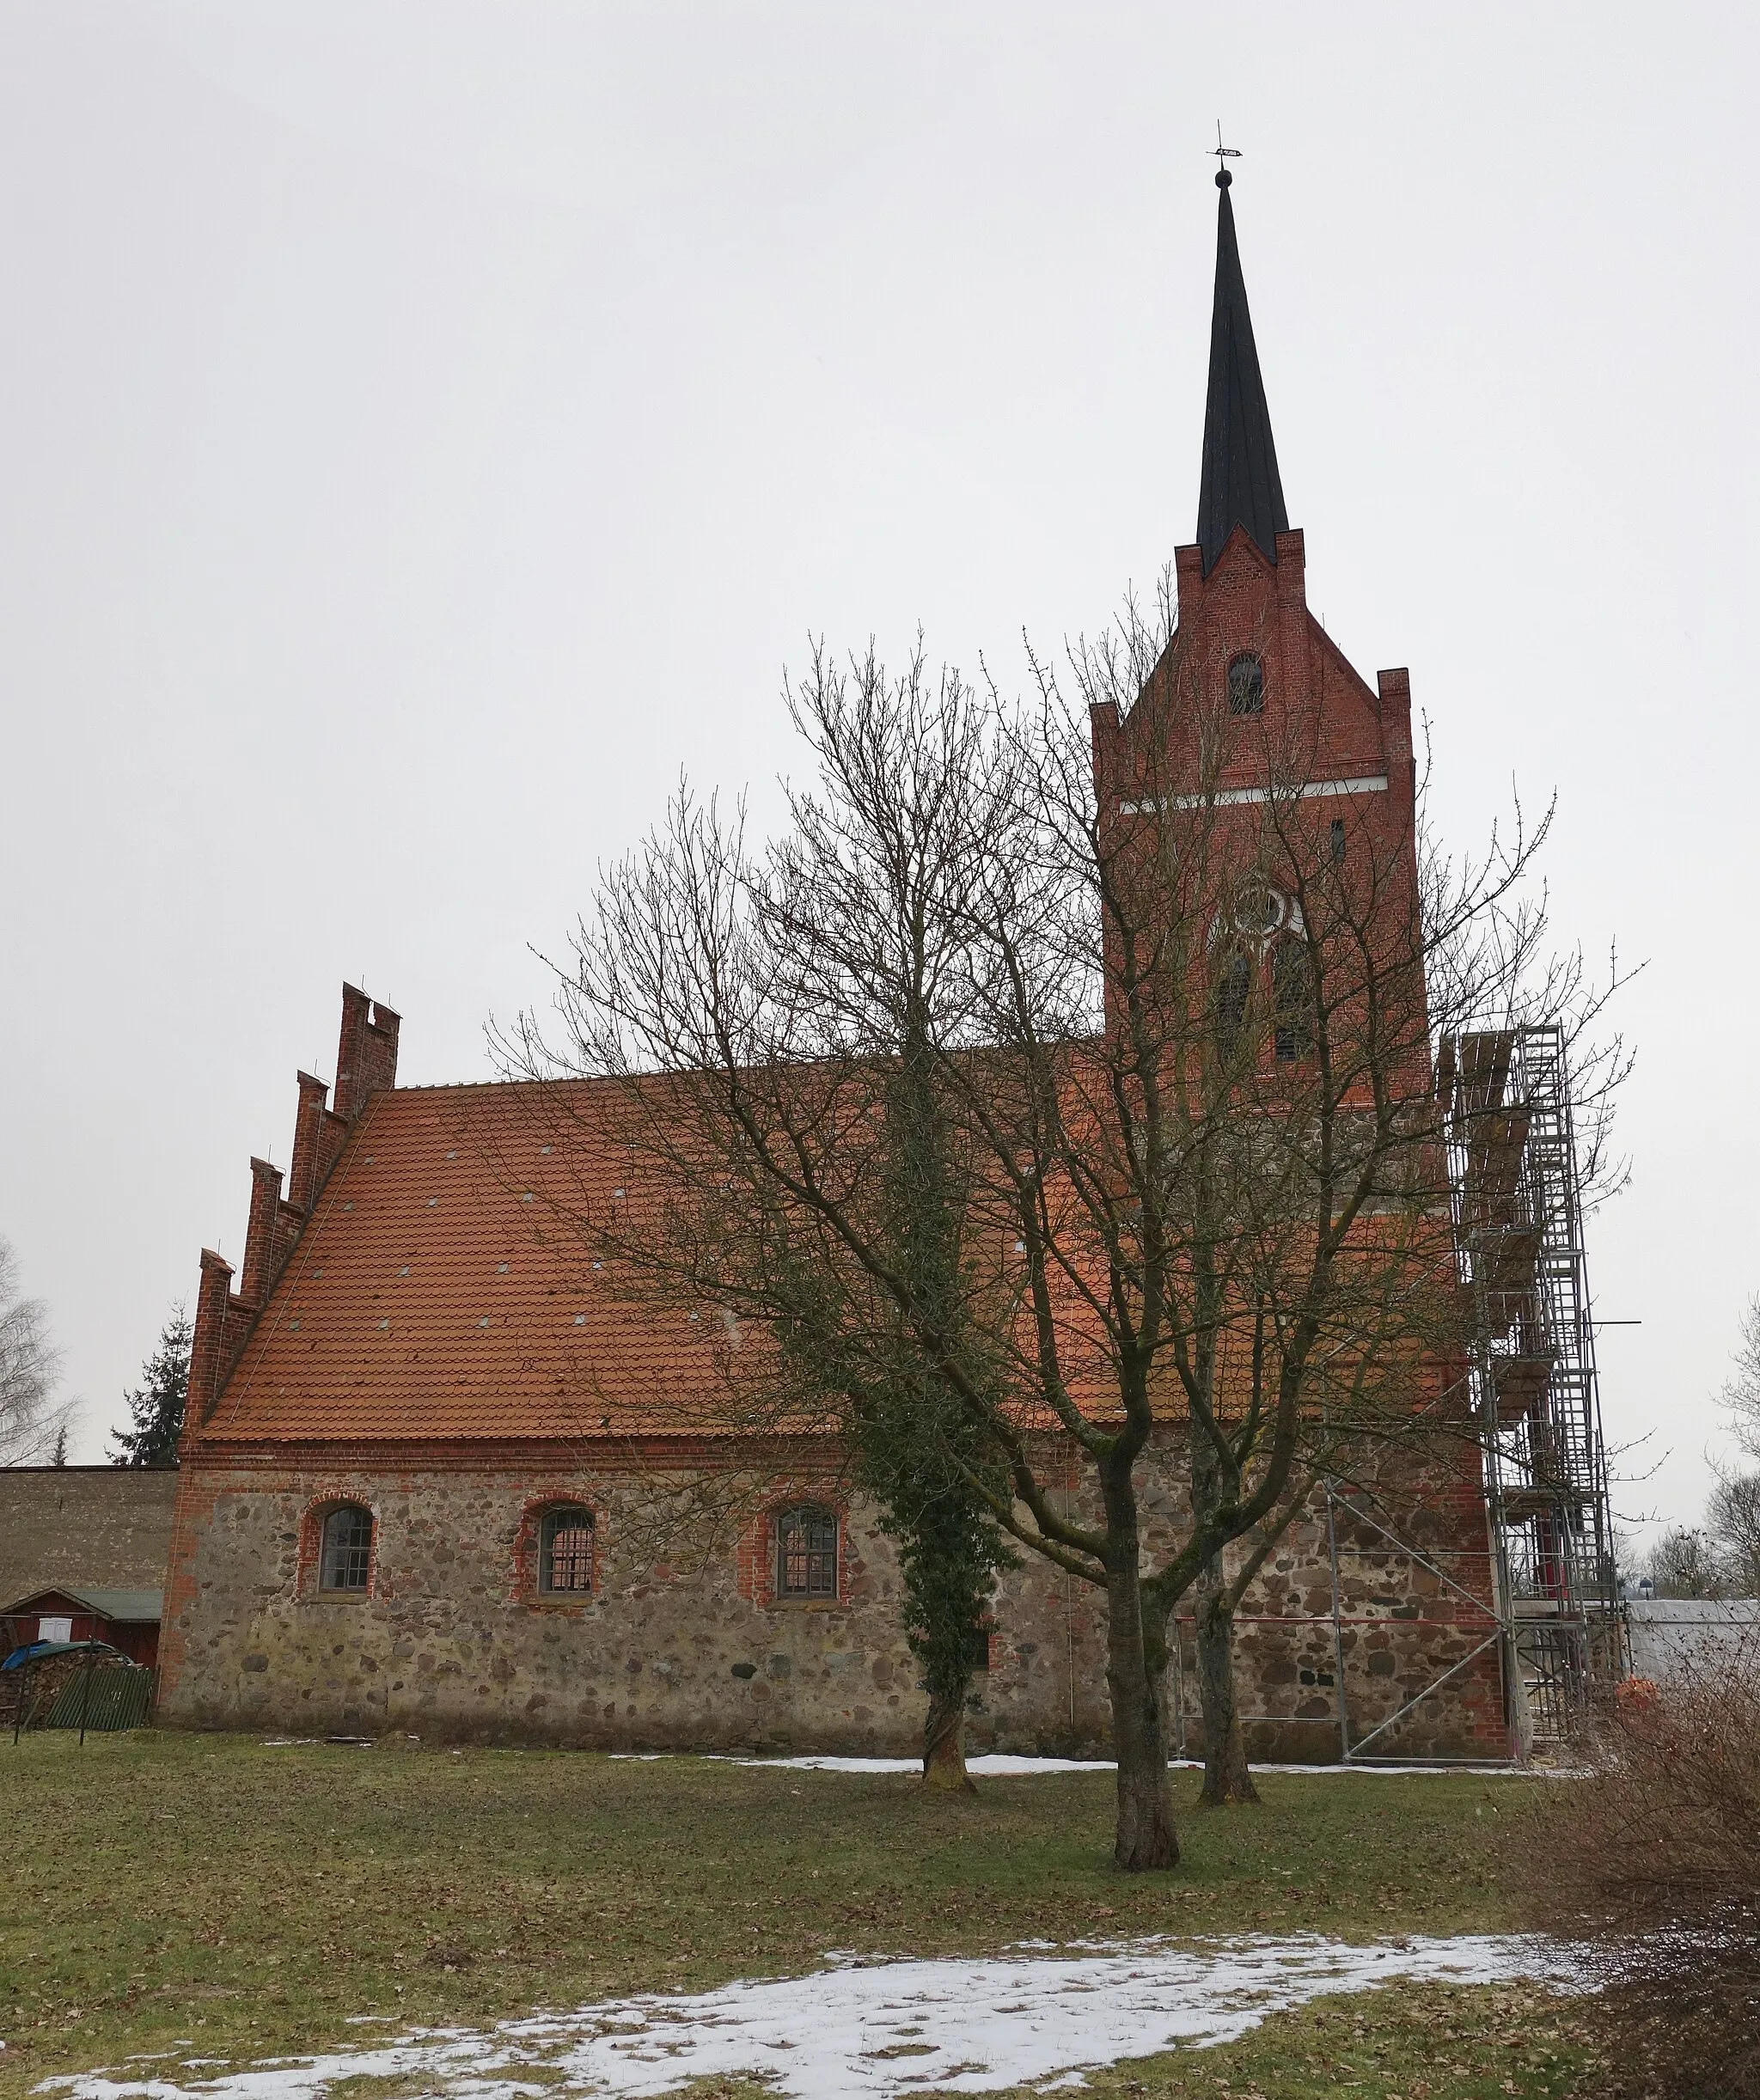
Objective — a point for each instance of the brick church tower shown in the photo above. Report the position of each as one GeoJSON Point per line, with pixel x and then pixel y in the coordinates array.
{"type": "Point", "coordinates": [1248, 650]}
{"type": "Point", "coordinates": [1255, 758]}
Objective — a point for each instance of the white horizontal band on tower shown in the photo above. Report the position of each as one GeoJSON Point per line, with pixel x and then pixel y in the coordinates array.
{"type": "Point", "coordinates": [1371, 783]}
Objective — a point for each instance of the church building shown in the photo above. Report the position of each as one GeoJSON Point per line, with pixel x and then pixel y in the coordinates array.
{"type": "Point", "coordinates": [421, 1449]}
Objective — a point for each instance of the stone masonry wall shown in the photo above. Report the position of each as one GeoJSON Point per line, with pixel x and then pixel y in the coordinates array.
{"type": "Point", "coordinates": [451, 1642]}
{"type": "Point", "coordinates": [1409, 1626]}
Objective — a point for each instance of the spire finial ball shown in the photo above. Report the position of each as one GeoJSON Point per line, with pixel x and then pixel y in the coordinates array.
{"type": "Point", "coordinates": [1223, 178]}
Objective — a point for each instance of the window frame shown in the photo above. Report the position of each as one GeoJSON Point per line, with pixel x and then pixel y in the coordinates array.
{"type": "Point", "coordinates": [548, 1521]}
{"type": "Point", "coordinates": [825, 1558]}
{"type": "Point", "coordinates": [363, 1554]}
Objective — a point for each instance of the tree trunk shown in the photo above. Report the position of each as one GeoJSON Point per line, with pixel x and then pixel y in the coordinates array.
{"type": "Point", "coordinates": [1227, 1779]}
{"type": "Point", "coordinates": [944, 1743]}
{"type": "Point", "coordinates": [1145, 1838]}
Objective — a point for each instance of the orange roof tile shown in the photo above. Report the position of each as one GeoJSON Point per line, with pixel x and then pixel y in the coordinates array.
{"type": "Point", "coordinates": [441, 1291]}
{"type": "Point", "coordinates": [422, 1300]}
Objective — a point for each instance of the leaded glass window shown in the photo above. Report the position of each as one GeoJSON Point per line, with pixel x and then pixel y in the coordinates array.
{"type": "Point", "coordinates": [806, 1554]}
{"type": "Point", "coordinates": [1234, 986]}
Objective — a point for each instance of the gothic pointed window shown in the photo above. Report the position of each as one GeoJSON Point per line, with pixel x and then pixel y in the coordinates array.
{"type": "Point", "coordinates": [1246, 685]}
{"type": "Point", "coordinates": [1234, 988]}
{"type": "Point", "coordinates": [1291, 1000]}
{"type": "Point", "coordinates": [806, 1554]}
{"type": "Point", "coordinates": [346, 1559]}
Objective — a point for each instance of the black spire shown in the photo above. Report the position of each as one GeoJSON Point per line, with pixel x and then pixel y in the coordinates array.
{"type": "Point", "coordinates": [1240, 485]}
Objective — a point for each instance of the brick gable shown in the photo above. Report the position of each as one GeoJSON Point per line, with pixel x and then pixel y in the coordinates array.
{"type": "Point", "coordinates": [436, 1292]}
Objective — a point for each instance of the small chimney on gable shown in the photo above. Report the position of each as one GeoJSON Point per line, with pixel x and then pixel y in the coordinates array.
{"type": "Point", "coordinates": [207, 1355]}
{"type": "Point", "coordinates": [1394, 690]}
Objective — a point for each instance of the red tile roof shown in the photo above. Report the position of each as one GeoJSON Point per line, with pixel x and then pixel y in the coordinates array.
{"type": "Point", "coordinates": [440, 1292]}
{"type": "Point", "coordinates": [436, 1293]}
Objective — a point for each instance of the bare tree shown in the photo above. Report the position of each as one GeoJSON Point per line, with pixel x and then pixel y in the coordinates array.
{"type": "Point", "coordinates": [30, 1422]}
{"type": "Point", "coordinates": [800, 1013]}
{"type": "Point", "coordinates": [1685, 1563]}
{"type": "Point", "coordinates": [1173, 1032]}
{"type": "Point", "coordinates": [1732, 1518]}
{"type": "Point", "coordinates": [1278, 959]}
{"type": "Point", "coordinates": [1648, 1863]}
{"type": "Point", "coordinates": [1741, 1394]}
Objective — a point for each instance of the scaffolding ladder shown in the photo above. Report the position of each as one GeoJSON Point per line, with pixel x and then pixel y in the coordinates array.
{"type": "Point", "coordinates": [1516, 1196]}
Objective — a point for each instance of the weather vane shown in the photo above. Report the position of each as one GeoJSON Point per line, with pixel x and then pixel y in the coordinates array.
{"type": "Point", "coordinates": [1220, 154]}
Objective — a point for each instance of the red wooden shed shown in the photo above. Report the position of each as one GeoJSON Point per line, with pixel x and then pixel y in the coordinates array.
{"type": "Point", "coordinates": [127, 1619]}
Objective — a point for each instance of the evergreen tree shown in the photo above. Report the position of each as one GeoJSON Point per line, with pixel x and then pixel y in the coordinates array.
{"type": "Point", "coordinates": [156, 1403]}
{"type": "Point", "coordinates": [60, 1458]}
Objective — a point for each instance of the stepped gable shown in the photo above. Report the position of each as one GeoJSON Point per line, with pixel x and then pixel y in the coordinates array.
{"type": "Point", "coordinates": [435, 1293]}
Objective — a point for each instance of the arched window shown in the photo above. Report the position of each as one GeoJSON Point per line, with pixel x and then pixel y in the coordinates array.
{"type": "Point", "coordinates": [1246, 685]}
{"type": "Point", "coordinates": [1291, 1000]}
{"type": "Point", "coordinates": [806, 1553]}
{"type": "Point", "coordinates": [347, 1556]}
{"type": "Point", "coordinates": [565, 1553]}
{"type": "Point", "coordinates": [1234, 988]}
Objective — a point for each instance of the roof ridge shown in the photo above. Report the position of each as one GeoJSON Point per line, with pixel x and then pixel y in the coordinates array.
{"type": "Point", "coordinates": [509, 1086]}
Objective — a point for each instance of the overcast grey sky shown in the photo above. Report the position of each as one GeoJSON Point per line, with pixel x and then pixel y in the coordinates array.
{"type": "Point", "coordinates": [424, 429]}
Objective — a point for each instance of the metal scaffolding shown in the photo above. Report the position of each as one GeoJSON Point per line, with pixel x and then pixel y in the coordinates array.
{"type": "Point", "coordinates": [1540, 1590]}
{"type": "Point", "coordinates": [1517, 1208]}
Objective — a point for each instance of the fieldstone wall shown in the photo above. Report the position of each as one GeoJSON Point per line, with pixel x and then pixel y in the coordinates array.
{"type": "Point", "coordinates": [1398, 1657]}
{"type": "Point", "coordinates": [97, 1527]}
{"type": "Point", "coordinates": [452, 1643]}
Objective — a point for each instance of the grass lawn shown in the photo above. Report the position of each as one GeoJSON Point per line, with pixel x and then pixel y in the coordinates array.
{"type": "Point", "coordinates": [209, 1891]}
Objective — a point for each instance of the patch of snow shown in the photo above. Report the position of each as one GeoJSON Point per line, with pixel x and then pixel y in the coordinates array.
{"type": "Point", "coordinates": [879, 2031]}
{"type": "Point", "coordinates": [998, 1766]}
{"type": "Point", "coordinates": [994, 1767]}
